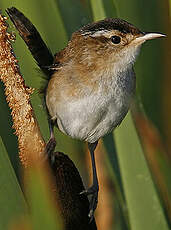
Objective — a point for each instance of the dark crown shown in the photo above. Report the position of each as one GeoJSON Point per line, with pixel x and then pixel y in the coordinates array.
{"type": "Point", "coordinates": [110, 24]}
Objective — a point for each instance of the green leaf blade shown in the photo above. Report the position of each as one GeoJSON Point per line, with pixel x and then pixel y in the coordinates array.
{"type": "Point", "coordinates": [98, 9]}
{"type": "Point", "coordinates": [12, 202]}
{"type": "Point", "coordinates": [43, 210]}
{"type": "Point", "coordinates": [144, 208]}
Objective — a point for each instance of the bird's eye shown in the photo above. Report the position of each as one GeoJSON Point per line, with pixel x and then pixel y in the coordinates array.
{"type": "Point", "coordinates": [116, 39]}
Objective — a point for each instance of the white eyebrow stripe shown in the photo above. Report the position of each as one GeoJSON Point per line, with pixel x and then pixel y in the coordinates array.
{"type": "Point", "coordinates": [96, 33]}
{"type": "Point", "coordinates": [100, 33]}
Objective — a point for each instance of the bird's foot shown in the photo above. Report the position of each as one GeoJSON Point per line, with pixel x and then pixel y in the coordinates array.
{"type": "Point", "coordinates": [50, 147]}
{"type": "Point", "coordinates": [93, 191]}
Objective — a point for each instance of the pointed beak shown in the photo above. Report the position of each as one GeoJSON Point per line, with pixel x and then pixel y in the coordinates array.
{"type": "Point", "coordinates": [148, 36]}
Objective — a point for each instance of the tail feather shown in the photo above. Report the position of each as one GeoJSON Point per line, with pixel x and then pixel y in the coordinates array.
{"type": "Point", "coordinates": [39, 50]}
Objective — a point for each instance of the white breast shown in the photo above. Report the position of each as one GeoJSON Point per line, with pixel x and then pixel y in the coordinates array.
{"type": "Point", "coordinates": [95, 115]}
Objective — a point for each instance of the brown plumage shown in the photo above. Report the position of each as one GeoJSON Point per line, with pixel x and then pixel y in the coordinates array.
{"type": "Point", "coordinates": [93, 83]}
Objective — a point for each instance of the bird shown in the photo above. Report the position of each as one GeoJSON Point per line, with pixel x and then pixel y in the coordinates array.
{"type": "Point", "coordinates": [93, 84]}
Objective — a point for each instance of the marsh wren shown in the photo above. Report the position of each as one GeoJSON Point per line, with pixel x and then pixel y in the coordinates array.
{"type": "Point", "coordinates": [93, 83]}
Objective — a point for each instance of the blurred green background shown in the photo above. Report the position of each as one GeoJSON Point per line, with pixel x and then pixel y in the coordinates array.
{"type": "Point", "coordinates": [133, 163]}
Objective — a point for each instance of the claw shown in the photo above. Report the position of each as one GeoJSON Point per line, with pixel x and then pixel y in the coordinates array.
{"type": "Point", "coordinates": [49, 149]}
{"type": "Point", "coordinates": [93, 191]}
{"type": "Point", "coordinates": [93, 205]}
{"type": "Point", "coordinates": [90, 191]}
{"type": "Point", "coordinates": [91, 215]}
{"type": "Point", "coordinates": [50, 146]}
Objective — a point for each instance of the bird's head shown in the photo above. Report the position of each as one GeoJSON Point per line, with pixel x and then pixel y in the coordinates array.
{"type": "Point", "coordinates": [112, 40]}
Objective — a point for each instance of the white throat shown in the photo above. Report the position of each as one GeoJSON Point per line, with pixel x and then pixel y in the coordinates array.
{"type": "Point", "coordinates": [126, 59]}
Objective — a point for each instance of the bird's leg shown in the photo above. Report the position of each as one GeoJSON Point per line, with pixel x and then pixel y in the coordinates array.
{"type": "Point", "coordinates": [93, 190]}
{"type": "Point", "coordinates": [50, 146]}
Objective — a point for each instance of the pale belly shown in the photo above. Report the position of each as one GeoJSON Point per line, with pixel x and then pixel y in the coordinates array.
{"type": "Point", "coordinates": [90, 123]}
{"type": "Point", "coordinates": [94, 116]}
